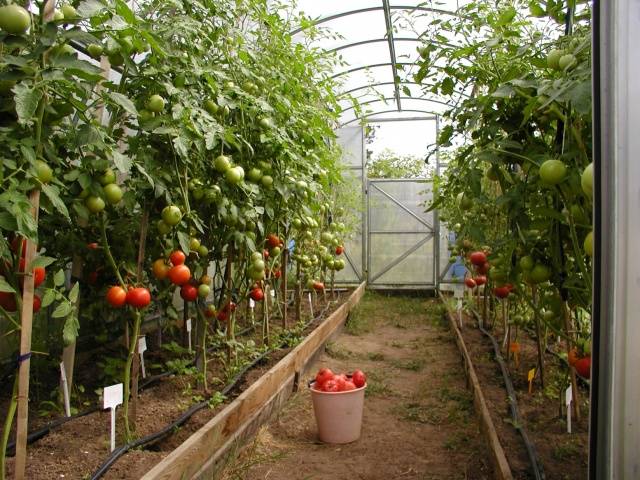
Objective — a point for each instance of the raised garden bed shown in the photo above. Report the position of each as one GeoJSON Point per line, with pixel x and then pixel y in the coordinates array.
{"type": "Point", "coordinates": [78, 448]}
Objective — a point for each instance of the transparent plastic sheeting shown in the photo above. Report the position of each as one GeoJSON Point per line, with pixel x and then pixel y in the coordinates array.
{"type": "Point", "coordinates": [401, 234]}
{"type": "Point", "coordinates": [351, 140]}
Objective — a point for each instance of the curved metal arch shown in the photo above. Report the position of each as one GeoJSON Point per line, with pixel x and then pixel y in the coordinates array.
{"type": "Point", "coordinates": [373, 9]}
{"type": "Point", "coordinates": [378, 40]}
{"type": "Point", "coordinates": [372, 85]}
{"type": "Point", "coordinates": [382, 112]}
{"type": "Point", "coordinates": [364, 67]}
{"type": "Point", "coordinates": [377, 100]}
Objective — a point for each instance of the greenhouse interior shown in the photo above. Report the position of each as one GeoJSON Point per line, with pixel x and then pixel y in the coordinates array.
{"type": "Point", "coordinates": [374, 239]}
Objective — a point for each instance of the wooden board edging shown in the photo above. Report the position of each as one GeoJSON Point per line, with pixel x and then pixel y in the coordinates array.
{"type": "Point", "coordinates": [186, 461]}
{"type": "Point", "coordinates": [501, 469]}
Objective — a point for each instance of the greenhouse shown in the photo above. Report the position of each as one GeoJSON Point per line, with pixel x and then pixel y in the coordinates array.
{"type": "Point", "coordinates": [296, 239]}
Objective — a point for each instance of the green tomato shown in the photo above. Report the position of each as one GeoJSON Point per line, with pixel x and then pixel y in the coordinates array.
{"type": "Point", "coordinates": [257, 264]}
{"type": "Point", "coordinates": [95, 204]}
{"type": "Point", "coordinates": [256, 274]}
{"type": "Point", "coordinates": [588, 244]}
{"type": "Point", "coordinates": [113, 193]}
{"type": "Point", "coordinates": [264, 166]}
{"type": "Point", "coordinates": [163, 228]}
{"type": "Point", "coordinates": [204, 290]}
{"type": "Point", "coordinates": [116, 59]}
{"type": "Point", "coordinates": [567, 62]}
{"type": "Point", "coordinates": [464, 202]}
{"type": "Point", "coordinates": [275, 251]}
{"type": "Point", "coordinates": [540, 273]}
{"type": "Point", "coordinates": [180, 80]}
{"type": "Point", "coordinates": [171, 215]}
{"type": "Point", "coordinates": [43, 171]}
{"type": "Point", "coordinates": [266, 181]}
{"type": "Point", "coordinates": [211, 106]}
{"type": "Point", "coordinates": [222, 163]}
{"type": "Point", "coordinates": [14, 19]}
{"type": "Point", "coordinates": [69, 12]}
{"type": "Point", "coordinates": [254, 175]}
{"type": "Point", "coordinates": [109, 176]}
{"type": "Point", "coordinates": [234, 175]}
{"type": "Point", "coordinates": [326, 237]}
{"type": "Point", "coordinates": [586, 180]}
{"type": "Point", "coordinates": [155, 103]}
{"type": "Point", "coordinates": [553, 58]}
{"type": "Point", "coordinates": [194, 244]}
{"type": "Point", "coordinates": [95, 50]}
{"type": "Point", "coordinates": [526, 263]}
{"type": "Point", "coordinates": [492, 174]}
{"type": "Point", "coordinates": [203, 250]}
{"type": "Point", "coordinates": [553, 172]}
{"type": "Point", "coordinates": [297, 223]}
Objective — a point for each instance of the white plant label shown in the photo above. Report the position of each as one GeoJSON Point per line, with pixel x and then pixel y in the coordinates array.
{"type": "Point", "coordinates": [142, 347]}
{"type": "Point", "coordinates": [568, 398]}
{"type": "Point", "coordinates": [189, 332]}
{"type": "Point", "coordinates": [458, 291]}
{"type": "Point", "coordinates": [310, 305]}
{"type": "Point", "coordinates": [112, 397]}
{"type": "Point", "coordinates": [459, 309]}
{"type": "Point", "coordinates": [252, 304]}
{"type": "Point", "coordinates": [65, 390]}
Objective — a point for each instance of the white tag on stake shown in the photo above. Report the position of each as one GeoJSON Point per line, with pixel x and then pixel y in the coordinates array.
{"type": "Point", "coordinates": [458, 291]}
{"type": "Point", "coordinates": [459, 309]}
{"type": "Point", "coordinates": [65, 390]}
{"type": "Point", "coordinates": [112, 397]}
{"type": "Point", "coordinates": [568, 398]}
{"type": "Point", "coordinates": [142, 347]}
{"type": "Point", "coordinates": [189, 332]}
{"type": "Point", "coordinates": [252, 304]}
{"type": "Point", "coordinates": [310, 305]}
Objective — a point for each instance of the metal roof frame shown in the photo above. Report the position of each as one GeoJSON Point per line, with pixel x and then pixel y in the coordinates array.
{"type": "Point", "coordinates": [368, 119]}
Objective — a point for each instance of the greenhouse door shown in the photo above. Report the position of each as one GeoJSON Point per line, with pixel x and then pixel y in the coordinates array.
{"type": "Point", "coordinates": [402, 238]}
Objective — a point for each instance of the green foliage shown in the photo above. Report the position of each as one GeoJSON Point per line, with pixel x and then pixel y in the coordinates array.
{"type": "Point", "coordinates": [388, 164]}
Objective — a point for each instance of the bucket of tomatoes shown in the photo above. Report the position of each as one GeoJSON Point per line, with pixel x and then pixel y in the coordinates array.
{"type": "Point", "coordinates": [338, 402]}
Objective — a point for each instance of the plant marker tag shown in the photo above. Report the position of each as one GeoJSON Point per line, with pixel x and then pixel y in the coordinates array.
{"type": "Point", "coordinates": [65, 388]}
{"type": "Point", "coordinates": [273, 296]}
{"type": "Point", "coordinates": [530, 375]}
{"type": "Point", "coordinates": [310, 305]}
{"type": "Point", "coordinates": [459, 309]}
{"type": "Point", "coordinates": [189, 332]}
{"type": "Point", "coordinates": [252, 304]}
{"type": "Point", "coordinates": [458, 291]}
{"type": "Point", "coordinates": [112, 397]}
{"type": "Point", "coordinates": [568, 398]}
{"type": "Point", "coordinates": [142, 347]}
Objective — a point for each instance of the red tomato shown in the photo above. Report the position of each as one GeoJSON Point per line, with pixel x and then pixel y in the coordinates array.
{"type": "Point", "coordinates": [15, 245]}
{"type": "Point", "coordinates": [322, 376]}
{"type": "Point", "coordinates": [37, 303]}
{"type": "Point", "coordinates": [138, 297]}
{"type": "Point", "coordinates": [339, 250]}
{"type": "Point", "coordinates": [278, 274]}
{"type": "Point", "coordinates": [116, 296]}
{"type": "Point", "coordinates": [92, 246]}
{"type": "Point", "coordinates": [222, 315]}
{"type": "Point", "coordinates": [177, 257]}
{"type": "Point", "coordinates": [478, 258]}
{"type": "Point", "coordinates": [341, 380]}
{"type": "Point", "coordinates": [583, 367]}
{"type": "Point", "coordinates": [189, 292]}
{"type": "Point", "coordinates": [359, 378]}
{"type": "Point", "coordinates": [470, 282]}
{"type": "Point", "coordinates": [483, 269]}
{"type": "Point", "coordinates": [257, 294]}
{"type": "Point", "coordinates": [319, 286]}
{"type": "Point", "coordinates": [38, 276]}
{"type": "Point", "coordinates": [179, 275]}
{"type": "Point", "coordinates": [480, 280]}
{"type": "Point", "coordinates": [265, 253]}
{"type": "Point", "coordinates": [573, 356]}
{"type": "Point", "coordinates": [348, 385]}
{"type": "Point", "coordinates": [273, 241]}
{"type": "Point", "coordinates": [210, 311]}
{"type": "Point", "coordinates": [501, 292]}
{"type": "Point", "coordinates": [8, 301]}
{"type": "Point", "coordinates": [330, 386]}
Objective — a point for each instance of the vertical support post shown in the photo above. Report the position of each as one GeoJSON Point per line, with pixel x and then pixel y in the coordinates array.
{"type": "Point", "coordinates": [283, 279]}
{"type": "Point", "coordinates": [26, 323]}
{"type": "Point", "coordinates": [436, 217]}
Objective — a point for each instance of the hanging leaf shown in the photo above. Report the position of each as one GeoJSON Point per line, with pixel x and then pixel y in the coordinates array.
{"type": "Point", "coordinates": [58, 278]}
{"type": "Point", "coordinates": [124, 102]}
{"type": "Point", "coordinates": [62, 310]}
{"type": "Point", "coordinates": [53, 194]}
{"type": "Point", "coordinates": [4, 286]}
{"type": "Point", "coordinates": [27, 100]}
{"type": "Point", "coordinates": [122, 162]}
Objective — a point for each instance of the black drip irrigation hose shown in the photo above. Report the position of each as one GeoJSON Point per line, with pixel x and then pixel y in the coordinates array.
{"type": "Point", "coordinates": [58, 422]}
{"type": "Point", "coordinates": [536, 466]}
{"type": "Point", "coordinates": [154, 437]}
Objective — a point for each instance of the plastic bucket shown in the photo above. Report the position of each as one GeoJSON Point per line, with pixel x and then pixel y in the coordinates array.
{"type": "Point", "coordinates": [338, 414]}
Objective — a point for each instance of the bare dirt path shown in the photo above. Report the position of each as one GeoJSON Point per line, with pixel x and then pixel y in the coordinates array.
{"type": "Point", "coordinates": [419, 421]}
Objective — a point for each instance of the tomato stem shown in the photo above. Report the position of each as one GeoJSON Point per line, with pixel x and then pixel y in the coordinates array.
{"type": "Point", "coordinates": [107, 250]}
{"type": "Point", "coordinates": [6, 429]}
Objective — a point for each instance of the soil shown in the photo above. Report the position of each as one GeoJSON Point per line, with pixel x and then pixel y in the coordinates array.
{"type": "Point", "coordinates": [418, 423]}
{"type": "Point", "coordinates": [77, 449]}
{"type": "Point", "coordinates": [563, 456]}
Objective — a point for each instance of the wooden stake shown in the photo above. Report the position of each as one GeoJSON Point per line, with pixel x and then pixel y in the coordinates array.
{"type": "Point", "coordinates": [572, 370]}
{"type": "Point", "coordinates": [298, 292]}
{"type": "Point", "coordinates": [536, 314]}
{"type": "Point", "coordinates": [26, 322]}
{"type": "Point", "coordinates": [285, 259]}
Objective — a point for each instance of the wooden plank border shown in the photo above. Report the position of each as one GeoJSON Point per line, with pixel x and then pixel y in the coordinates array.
{"type": "Point", "coordinates": [501, 469]}
{"type": "Point", "coordinates": [200, 450]}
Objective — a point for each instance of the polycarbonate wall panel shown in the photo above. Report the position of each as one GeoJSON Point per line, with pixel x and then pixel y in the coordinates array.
{"type": "Point", "coordinates": [397, 206]}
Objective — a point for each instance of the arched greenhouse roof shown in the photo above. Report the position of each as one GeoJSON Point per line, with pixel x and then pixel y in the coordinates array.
{"type": "Point", "coordinates": [377, 42]}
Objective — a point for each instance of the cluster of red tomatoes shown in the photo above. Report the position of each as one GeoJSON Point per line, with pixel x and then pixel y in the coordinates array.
{"type": "Point", "coordinates": [482, 266]}
{"type": "Point", "coordinates": [137, 297]}
{"type": "Point", "coordinates": [180, 275]}
{"type": "Point", "coordinates": [8, 299]}
{"type": "Point", "coordinates": [327, 381]}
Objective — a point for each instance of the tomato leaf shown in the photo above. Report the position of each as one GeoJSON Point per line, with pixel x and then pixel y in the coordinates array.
{"type": "Point", "coordinates": [62, 310]}
{"type": "Point", "coordinates": [183, 240]}
{"type": "Point", "coordinates": [27, 100]}
{"type": "Point", "coordinates": [73, 294]}
{"type": "Point", "coordinates": [5, 287]}
{"type": "Point", "coordinates": [41, 261]}
{"type": "Point", "coordinates": [144, 172]}
{"type": "Point", "coordinates": [53, 194]}
{"type": "Point", "coordinates": [124, 102]}
{"type": "Point", "coordinates": [121, 161]}
{"type": "Point", "coordinates": [48, 297]}
{"type": "Point", "coordinates": [70, 329]}
{"type": "Point", "coordinates": [89, 8]}
{"type": "Point", "coordinates": [58, 278]}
